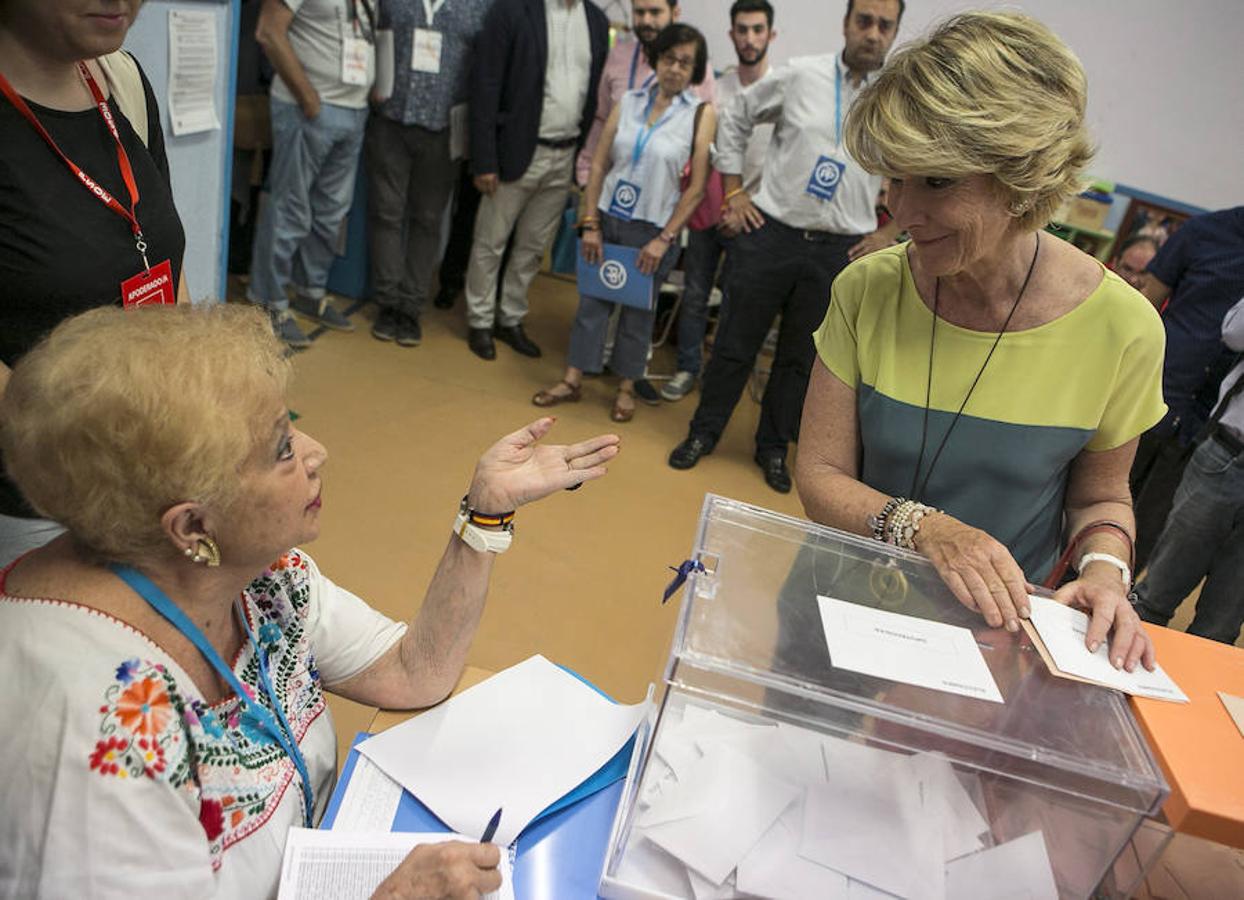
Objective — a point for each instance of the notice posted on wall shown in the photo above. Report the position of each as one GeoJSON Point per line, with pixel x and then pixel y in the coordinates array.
{"type": "Point", "coordinates": [192, 71]}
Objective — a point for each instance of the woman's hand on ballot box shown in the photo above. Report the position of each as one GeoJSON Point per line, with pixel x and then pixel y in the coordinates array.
{"type": "Point", "coordinates": [453, 870]}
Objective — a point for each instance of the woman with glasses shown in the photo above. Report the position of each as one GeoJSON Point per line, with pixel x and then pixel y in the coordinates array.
{"type": "Point", "coordinates": [636, 197]}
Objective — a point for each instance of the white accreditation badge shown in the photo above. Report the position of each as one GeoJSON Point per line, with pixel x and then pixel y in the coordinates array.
{"type": "Point", "coordinates": [425, 51]}
{"type": "Point", "coordinates": [355, 60]}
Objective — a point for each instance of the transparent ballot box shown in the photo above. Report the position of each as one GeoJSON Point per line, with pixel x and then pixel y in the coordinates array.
{"type": "Point", "coordinates": [768, 771]}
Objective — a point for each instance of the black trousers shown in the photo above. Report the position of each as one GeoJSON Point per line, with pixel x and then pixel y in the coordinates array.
{"type": "Point", "coordinates": [775, 269]}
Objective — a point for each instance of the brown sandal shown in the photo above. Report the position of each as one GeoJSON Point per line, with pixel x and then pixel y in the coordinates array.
{"type": "Point", "coordinates": [619, 413]}
{"type": "Point", "coordinates": [548, 398]}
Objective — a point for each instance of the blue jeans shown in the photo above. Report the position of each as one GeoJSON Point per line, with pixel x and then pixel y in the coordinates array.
{"type": "Point", "coordinates": [591, 322]}
{"type": "Point", "coordinates": [699, 263]}
{"type": "Point", "coordinates": [1203, 538]}
{"type": "Point", "coordinates": [310, 189]}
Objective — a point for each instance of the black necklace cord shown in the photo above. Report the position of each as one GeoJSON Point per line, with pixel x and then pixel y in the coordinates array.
{"type": "Point", "coordinates": [928, 390]}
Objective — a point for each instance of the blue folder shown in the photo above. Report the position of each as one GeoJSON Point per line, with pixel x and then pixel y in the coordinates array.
{"type": "Point", "coordinates": [617, 279]}
{"type": "Point", "coordinates": [560, 854]}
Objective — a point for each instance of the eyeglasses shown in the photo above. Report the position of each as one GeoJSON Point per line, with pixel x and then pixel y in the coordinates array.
{"type": "Point", "coordinates": [682, 62]}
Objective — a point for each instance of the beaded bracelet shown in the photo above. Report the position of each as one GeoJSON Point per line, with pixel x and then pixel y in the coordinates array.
{"type": "Point", "coordinates": [899, 522]}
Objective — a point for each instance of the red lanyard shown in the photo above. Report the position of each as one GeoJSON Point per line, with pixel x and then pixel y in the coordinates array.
{"type": "Point", "coordinates": [127, 173]}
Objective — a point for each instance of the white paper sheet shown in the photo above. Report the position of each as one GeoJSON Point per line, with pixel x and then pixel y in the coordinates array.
{"type": "Point", "coordinates": [333, 865]}
{"type": "Point", "coordinates": [961, 822]}
{"type": "Point", "coordinates": [870, 813]}
{"type": "Point", "coordinates": [192, 71]}
{"type": "Point", "coordinates": [519, 741]}
{"type": "Point", "coordinates": [907, 649]}
{"type": "Point", "coordinates": [746, 800]}
{"type": "Point", "coordinates": [1063, 630]}
{"type": "Point", "coordinates": [772, 869]}
{"type": "Point", "coordinates": [370, 800]}
{"type": "Point", "coordinates": [1017, 870]}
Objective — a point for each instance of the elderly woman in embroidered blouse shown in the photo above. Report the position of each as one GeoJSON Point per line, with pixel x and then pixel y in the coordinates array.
{"type": "Point", "coordinates": [137, 762]}
{"type": "Point", "coordinates": [982, 386]}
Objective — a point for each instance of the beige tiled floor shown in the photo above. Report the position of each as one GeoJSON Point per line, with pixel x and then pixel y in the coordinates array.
{"type": "Point", "coordinates": [582, 583]}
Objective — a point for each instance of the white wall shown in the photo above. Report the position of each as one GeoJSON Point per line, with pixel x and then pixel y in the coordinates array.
{"type": "Point", "coordinates": [1166, 78]}
{"type": "Point", "coordinates": [197, 161]}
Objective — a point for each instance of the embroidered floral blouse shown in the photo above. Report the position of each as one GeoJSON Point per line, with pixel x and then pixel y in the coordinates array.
{"type": "Point", "coordinates": [119, 781]}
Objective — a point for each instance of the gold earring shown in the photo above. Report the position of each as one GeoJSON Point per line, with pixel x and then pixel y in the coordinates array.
{"type": "Point", "coordinates": [1018, 207]}
{"type": "Point", "coordinates": [206, 551]}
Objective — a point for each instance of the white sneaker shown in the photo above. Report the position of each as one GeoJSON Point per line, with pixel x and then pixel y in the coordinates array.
{"type": "Point", "coordinates": [678, 387]}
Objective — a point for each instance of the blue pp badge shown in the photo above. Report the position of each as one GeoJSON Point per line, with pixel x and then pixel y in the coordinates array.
{"type": "Point", "coordinates": [625, 198]}
{"type": "Point", "coordinates": [826, 176]}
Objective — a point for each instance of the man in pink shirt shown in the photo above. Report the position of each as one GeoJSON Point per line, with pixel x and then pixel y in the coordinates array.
{"type": "Point", "coordinates": [626, 68]}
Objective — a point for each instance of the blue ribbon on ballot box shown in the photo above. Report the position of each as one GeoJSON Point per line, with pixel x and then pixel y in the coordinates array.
{"type": "Point", "coordinates": [680, 576]}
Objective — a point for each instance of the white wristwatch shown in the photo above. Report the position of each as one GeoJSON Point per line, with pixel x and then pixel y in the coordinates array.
{"type": "Point", "coordinates": [1124, 569]}
{"type": "Point", "coordinates": [485, 540]}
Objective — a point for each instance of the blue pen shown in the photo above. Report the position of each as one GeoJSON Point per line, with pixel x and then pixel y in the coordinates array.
{"type": "Point", "coordinates": [491, 828]}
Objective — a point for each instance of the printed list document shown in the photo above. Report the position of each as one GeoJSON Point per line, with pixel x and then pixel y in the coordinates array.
{"type": "Point", "coordinates": [518, 741]}
{"type": "Point", "coordinates": [371, 799]}
{"type": "Point", "coordinates": [192, 71]}
{"type": "Point", "coordinates": [907, 649]}
{"type": "Point", "coordinates": [336, 865]}
{"type": "Point", "coordinates": [1062, 630]}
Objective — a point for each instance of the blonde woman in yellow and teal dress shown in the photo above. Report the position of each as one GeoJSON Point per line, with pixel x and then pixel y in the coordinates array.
{"type": "Point", "coordinates": [981, 387]}
{"type": "Point", "coordinates": [163, 720]}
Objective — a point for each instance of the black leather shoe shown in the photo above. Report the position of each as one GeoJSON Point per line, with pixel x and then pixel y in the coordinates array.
{"type": "Point", "coordinates": [480, 342]}
{"type": "Point", "coordinates": [777, 476]}
{"type": "Point", "coordinates": [445, 296]}
{"type": "Point", "coordinates": [517, 338]}
{"type": "Point", "coordinates": [688, 453]}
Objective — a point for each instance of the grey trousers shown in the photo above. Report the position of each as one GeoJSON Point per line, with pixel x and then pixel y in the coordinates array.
{"type": "Point", "coordinates": [411, 182]}
{"type": "Point", "coordinates": [530, 207]}
{"type": "Point", "coordinates": [591, 322]}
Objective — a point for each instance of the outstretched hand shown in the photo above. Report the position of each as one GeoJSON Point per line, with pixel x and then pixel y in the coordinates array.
{"type": "Point", "coordinates": [518, 468]}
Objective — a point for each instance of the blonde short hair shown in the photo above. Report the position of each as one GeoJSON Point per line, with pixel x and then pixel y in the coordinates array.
{"type": "Point", "coordinates": [993, 93]}
{"type": "Point", "coordinates": [119, 414]}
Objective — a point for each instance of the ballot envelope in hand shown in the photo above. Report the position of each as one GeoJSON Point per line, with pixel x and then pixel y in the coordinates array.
{"type": "Point", "coordinates": [617, 278]}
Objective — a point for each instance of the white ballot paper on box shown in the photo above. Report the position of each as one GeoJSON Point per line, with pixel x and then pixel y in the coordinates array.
{"type": "Point", "coordinates": [518, 741]}
{"type": "Point", "coordinates": [907, 649]}
{"type": "Point", "coordinates": [335, 865]}
{"type": "Point", "coordinates": [1062, 630]}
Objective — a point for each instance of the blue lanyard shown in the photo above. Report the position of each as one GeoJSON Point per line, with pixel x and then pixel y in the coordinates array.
{"type": "Point", "coordinates": [646, 132]}
{"type": "Point", "coordinates": [161, 603]}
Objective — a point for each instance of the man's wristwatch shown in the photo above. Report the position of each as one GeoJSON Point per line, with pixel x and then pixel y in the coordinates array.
{"type": "Point", "coordinates": [484, 532]}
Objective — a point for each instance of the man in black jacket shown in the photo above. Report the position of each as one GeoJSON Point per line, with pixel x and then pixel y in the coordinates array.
{"type": "Point", "coordinates": [533, 96]}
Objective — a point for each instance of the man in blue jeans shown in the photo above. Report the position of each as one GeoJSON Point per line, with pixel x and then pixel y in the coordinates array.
{"type": "Point", "coordinates": [1204, 534]}
{"type": "Point", "coordinates": [323, 54]}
